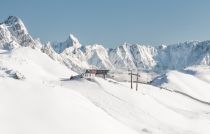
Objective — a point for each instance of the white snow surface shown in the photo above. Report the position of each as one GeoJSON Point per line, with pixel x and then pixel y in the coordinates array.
{"type": "Point", "coordinates": [39, 104]}
{"type": "Point", "coordinates": [46, 101]}
{"type": "Point", "coordinates": [193, 81]}
{"type": "Point", "coordinates": [149, 110]}
{"type": "Point", "coordinates": [37, 97]}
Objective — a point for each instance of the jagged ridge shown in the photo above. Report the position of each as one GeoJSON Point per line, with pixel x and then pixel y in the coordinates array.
{"type": "Point", "coordinates": [13, 34]}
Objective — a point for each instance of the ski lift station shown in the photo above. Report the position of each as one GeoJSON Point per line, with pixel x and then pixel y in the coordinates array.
{"type": "Point", "coordinates": [89, 73]}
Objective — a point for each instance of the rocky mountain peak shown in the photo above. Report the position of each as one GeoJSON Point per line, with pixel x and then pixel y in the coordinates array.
{"type": "Point", "coordinates": [16, 24]}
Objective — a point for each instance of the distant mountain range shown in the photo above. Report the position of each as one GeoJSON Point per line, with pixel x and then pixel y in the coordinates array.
{"type": "Point", "coordinates": [13, 34]}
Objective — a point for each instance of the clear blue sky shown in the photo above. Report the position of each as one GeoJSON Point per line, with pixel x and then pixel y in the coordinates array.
{"type": "Point", "coordinates": [112, 22]}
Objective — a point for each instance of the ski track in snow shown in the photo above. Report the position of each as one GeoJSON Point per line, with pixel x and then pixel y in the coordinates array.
{"type": "Point", "coordinates": [148, 110]}
{"type": "Point", "coordinates": [39, 104]}
{"type": "Point", "coordinates": [132, 112]}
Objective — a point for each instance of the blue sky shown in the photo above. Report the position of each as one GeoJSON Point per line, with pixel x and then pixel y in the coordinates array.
{"type": "Point", "coordinates": [112, 22]}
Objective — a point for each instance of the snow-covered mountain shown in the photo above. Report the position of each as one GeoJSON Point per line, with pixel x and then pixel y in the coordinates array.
{"type": "Point", "coordinates": [70, 52]}
{"type": "Point", "coordinates": [71, 42]}
{"type": "Point", "coordinates": [142, 57]}
{"type": "Point", "coordinates": [13, 34]}
{"type": "Point", "coordinates": [98, 56]}
{"type": "Point", "coordinates": [183, 55]}
{"type": "Point", "coordinates": [37, 95]}
{"type": "Point", "coordinates": [133, 56]}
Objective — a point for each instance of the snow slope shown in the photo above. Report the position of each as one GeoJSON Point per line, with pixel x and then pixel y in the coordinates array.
{"type": "Point", "coordinates": [193, 81]}
{"type": "Point", "coordinates": [38, 104]}
{"type": "Point", "coordinates": [36, 95]}
{"type": "Point", "coordinates": [149, 110]}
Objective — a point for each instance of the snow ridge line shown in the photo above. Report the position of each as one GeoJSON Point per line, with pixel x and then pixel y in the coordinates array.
{"type": "Point", "coordinates": [186, 95]}
{"type": "Point", "coordinates": [108, 92]}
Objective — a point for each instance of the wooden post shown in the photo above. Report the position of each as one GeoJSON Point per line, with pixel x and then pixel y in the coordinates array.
{"type": "Point", "coordinates": [131, 80]}
{"type": "Point", "coordinates": [104, 75]}
{"type": "Point", "coordinates": [137, 81]}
